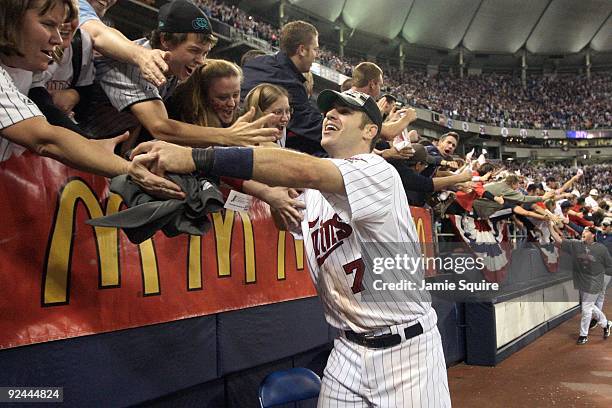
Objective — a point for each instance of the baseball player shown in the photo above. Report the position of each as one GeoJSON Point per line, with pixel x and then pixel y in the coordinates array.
{"type": "Point", "coordinates": [389, 352]}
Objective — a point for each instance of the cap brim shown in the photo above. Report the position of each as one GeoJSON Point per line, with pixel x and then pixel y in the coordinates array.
{"type": "Point", "coordinates": [328, 97]}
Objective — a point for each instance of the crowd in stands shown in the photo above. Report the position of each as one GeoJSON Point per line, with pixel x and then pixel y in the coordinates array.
{"type": "Point", "coordinates": [237, 18]}
{"type": "Point", "coordinates": [275, 88]}
{"type": "Point", "coordinates": [565, 101]}
{"type": "Point", "coordinates": [597, 176]}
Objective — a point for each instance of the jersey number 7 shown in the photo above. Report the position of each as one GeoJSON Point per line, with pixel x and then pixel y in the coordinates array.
{"type": "Point", "coordinates": [358, 268]}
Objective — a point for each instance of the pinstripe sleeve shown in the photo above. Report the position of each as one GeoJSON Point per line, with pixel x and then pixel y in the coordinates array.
{"type": "Point", "coordinates": [14, 108]}
{"type": "Point", "coordinates": [124, 85]}
{"type": "Point", "coordinates": [369, 184]}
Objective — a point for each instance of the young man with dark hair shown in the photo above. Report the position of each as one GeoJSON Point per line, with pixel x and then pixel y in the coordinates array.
{"type": "Point", "coordinates": [299, 46]}
{"type": "Point", "coordinates": [355, 207]}
{"type": "Point", "coordinates": [129, 100]}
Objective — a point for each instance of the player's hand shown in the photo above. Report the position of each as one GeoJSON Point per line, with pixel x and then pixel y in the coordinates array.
{"type": "Point", "coordinates": [163, 157]}
{"type": "Point", "coordinates": [152, 64]}
{"type": "Point", "coordinates": [549, 194]}
{"type": "Point", "coordinates": [283, 201]}
{"type": "Point", "coordinates": [65, 99]}
{"type": "Point", "coordinates": [499, 200]}
{"type": "Point", "coordinates": [154, 185]}
{"type": "Point", "coordinates": [243, 133]}
{"type": "Point", "coordinates": [486, 177]}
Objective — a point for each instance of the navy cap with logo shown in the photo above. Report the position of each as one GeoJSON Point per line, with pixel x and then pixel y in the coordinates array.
{"type": "Point", "coordinates": [182, 16]}
{"type": "Point", "coordinates": [352, 99]}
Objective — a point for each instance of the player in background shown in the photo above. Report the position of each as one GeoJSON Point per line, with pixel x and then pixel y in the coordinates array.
{"type": "Point", "coordinates": [389, 352]}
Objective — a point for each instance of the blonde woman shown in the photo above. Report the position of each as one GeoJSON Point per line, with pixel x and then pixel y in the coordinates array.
{"type": "Point", "coordinates": [211, 97]}
{"type": "Point", "coordinates": [271, 99]}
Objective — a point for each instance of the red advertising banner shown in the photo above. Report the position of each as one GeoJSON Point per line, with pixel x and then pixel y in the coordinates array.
{"type": "Point", "coordinates": [61, 278]}
{"type": "Point", "coordinates": [423, 223]}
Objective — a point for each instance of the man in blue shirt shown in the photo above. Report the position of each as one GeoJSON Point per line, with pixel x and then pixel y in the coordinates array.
{"type": "Point", "coordinates": [299, 46]}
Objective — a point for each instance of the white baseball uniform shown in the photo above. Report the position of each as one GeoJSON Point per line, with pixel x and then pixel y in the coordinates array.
{"type": "Point", "coordinates": [14, 108]}
{"type": "Point", "coordinates": [342, 234]}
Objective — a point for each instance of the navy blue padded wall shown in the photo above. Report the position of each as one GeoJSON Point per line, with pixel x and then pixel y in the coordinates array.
{"type": "Point", "coordinates": [451, 324]}
{"type": "Point", "coordinates": [255, 336]}
{"type": "Point", "coordinates": [118, 368]}
{"type": "Point", "coordinates": [209, 395]}
{"type": "Point", "coordinates": [242, 389]}
{"type": "Point", "coordinates": [480, 334]}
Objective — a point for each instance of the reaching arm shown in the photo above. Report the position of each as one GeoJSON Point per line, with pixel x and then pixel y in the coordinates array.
{"type": "Point", "coordinates": [568, 184]}
{"type": "Point", "coordinates": [88, 155]}
{"type": "Point", "coordinates": [441, 183]}
{"type": "Point", "coordinates": [280, 199]}
{"type": "Point", "coordinates": [112, 44]}
{"type": "Point", "coordinates": [392, 128]}
{"type": "Point", "coordinates": [152, 114]}
{"type": "Point", "coordinates": [66, 146]}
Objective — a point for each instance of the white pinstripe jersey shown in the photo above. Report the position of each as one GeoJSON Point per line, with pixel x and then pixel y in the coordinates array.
{"type": "Point", "coordinates": [341, 233]}
{"type": "Point", "coordinates": [14, 108]}
{"type": "Point", "coordinates": [123, 86]}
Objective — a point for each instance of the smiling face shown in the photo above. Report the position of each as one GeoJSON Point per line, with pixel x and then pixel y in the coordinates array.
{"type": "Point", "coordinates": [185, 57]}
{"type": "Point", "coordinates": [282, 113]}
{"type": "Point", "coordinates": [345, 134]}
{"type": "Point", "coordinates": [224, 98]}
{"type": "Point", "coordinates": [102, 6]}
{"type": "Point", "coordinates": [39, 36]}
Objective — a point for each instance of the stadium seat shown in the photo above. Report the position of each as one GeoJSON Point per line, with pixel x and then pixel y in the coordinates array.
{"type": "Point", "coordinates": [295, 384]}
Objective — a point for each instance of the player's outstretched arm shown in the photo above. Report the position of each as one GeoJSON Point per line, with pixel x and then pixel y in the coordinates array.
{"type": "Point", "coordinates": [274, 167]}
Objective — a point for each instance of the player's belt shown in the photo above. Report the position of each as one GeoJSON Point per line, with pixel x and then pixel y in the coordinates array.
{"type": "Point", "coordinates": [383, 340]}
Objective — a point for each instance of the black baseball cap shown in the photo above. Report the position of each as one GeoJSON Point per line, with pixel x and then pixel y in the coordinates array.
{"type": "Point", "coordinates": [182, 16]}
{"type": "Point", "coordinates": [352, 99]}
{"type": "Point", "coordinates": [421, 155]}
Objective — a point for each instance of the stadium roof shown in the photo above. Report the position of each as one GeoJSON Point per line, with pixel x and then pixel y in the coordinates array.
{"type": "Point", "coordinates": [486, 29]}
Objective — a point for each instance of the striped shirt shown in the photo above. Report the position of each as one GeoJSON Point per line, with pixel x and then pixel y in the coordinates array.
{"type": "Point", "coordinates": [343, 233]}
{"type": "Point", "coordinates": [14, 108]}
{"type": "Point", "coordinates": [121, 85]}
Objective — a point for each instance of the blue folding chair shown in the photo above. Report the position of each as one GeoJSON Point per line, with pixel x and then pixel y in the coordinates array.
{"type": "Point", "coordinates": [282, 387]}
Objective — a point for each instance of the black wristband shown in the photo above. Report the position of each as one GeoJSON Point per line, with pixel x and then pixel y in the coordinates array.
{"type": "Point", "coordinates": [203, 159]}
{"type": "Point", "coordinates": [236, 162]}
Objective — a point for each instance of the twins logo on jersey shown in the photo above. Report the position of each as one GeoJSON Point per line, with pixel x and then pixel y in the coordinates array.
{"type": "Point", "coordinates": [328, 236]}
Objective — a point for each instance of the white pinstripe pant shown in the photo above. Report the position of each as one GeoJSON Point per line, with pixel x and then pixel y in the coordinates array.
{"type": "Point", "coordinates": [411, 374]}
